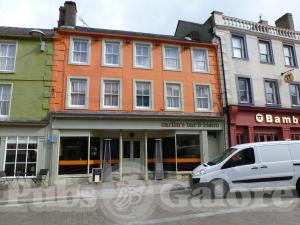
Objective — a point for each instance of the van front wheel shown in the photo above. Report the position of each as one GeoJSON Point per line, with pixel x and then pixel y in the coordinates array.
{"type": "Point", "coordinates": [219, 188]}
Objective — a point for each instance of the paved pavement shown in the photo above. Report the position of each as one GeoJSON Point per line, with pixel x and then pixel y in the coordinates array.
{"type": "Point", "coordinates": [140, 204]}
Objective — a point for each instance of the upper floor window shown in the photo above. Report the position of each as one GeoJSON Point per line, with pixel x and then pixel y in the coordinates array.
{"type": "Point", "coordinates": [143, 94]}
{"type": "Point", "coordinates": [7, 56]}
{"type": "Point", "coordinates": [111, 94]}
{"type": "Point", "coordinates": [239, 47]}
{"type": "Point", "coordinates": [271, 92]}
{"type": "Point", "coordinates": [171, 58]}
{"type": "Point", "coordinates": [244, 90]}
{"type": "Point", "coordinates": [5, 99]}
{"type": "Point", "coordinates": [142, 55]}
{"type": "Point", "coordinates": [77, 93]}
{"type": "Point", "coordinates": [80, 50]}
{"type": "Point", "coordinates": [295, 94]}
{"type": "Point", "coordinates": [200, 60]}
{"type": "Point", "coordinates": [289, 55]}
{"type": "Point", "coordinates": [265, 51]}
{"type": "Point", "coordinates": [203, 97]}
{"type": "Point", "coordinates": [173, 96]}
{"type": "Point", "coordinates": [112, 53]}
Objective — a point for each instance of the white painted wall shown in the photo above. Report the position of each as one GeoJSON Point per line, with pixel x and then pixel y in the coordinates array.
{"type": "Point", "coordinates": [254, 69]}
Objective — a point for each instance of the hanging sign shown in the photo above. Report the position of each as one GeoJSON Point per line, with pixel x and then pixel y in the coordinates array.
{"type": "Point", "coordinates": [288, 77]}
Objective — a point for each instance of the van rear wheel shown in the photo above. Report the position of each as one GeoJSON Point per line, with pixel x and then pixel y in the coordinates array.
{"type": "Point", "coordinates": [219, 188]}
{"type": "Point", "coordinates": [298, 187]}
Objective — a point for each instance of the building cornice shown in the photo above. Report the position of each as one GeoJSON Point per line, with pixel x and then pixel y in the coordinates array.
{"type": "Point", "coordinates": [245, 26]}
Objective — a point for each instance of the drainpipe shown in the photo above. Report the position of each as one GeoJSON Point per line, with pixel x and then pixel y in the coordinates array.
{"type": "Point", "coordinates": [224, 82]}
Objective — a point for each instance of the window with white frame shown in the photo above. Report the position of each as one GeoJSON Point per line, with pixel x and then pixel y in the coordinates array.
{"type": "Point", "coordinates": [111, 90]}
{"type": "Point", "coordinates": [239, 47]}
{"type": "Point", "coordinates": [173, 96]}
{"type": "Point", "coordinates": [5, 98]}
{"type": "Point", "coordinates": [21, 156]}
{"type": "Point", "coordinates": [80, 50]}
{"type": "Point", "coordinates": [202, 97]}
{"type": "Point", "coordinates": [7, 56]}
{"type": "Point", "coordinates": [143, 98]}
{"type": "Point", "coordinates": [142, 55]}
{"type": "Point", "coordinates": [289, 55]}
{"type": "Point", "coordinates": [112, 53]}
{"type": "Point", "coordinates": [265, 51]}
{"type": "Point", "coordinates": [271, 92]}
{"type": "Point", "coordinates": [77, 92]}
{"type": "Point", "coordinates": [295, 94]}
{"type": "Point", "coordinates": [200, 60]}
{"type": "Point", "coordinates": [171, 58]}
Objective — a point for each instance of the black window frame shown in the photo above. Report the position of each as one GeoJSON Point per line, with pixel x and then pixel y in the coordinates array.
{"type": "Point", "coordinates": [251, 97]}
{"type": "Point", "coordinates": [294, 56]}
{"type": "Point", "coordinates": [270, 55]}
{"type": "Point", "coordinates": [298, 84]}
{"type": "Point", "coordinates": [278, 103]}
{"type": "Point", "coordinates": [244, 46]}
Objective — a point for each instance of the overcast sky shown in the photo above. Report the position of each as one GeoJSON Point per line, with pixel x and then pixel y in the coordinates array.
{"type": "Point", "coordinates": [151, 16]}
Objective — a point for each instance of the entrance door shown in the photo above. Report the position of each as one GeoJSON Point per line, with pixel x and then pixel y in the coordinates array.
{"type": "Point", "coordinates": [132, 163]}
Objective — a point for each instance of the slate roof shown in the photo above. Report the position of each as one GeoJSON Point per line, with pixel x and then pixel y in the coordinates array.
{"type": "Point", "coordinates": [23, 32]}
{"type": "Point", "coordinates": [185, 27]}
{"type": "Point", "coordinates": [129, 33]}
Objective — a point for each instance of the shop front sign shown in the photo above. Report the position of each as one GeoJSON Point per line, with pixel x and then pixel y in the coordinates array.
{"type": "Point", "coordinates": [191, 124]}
{"type": "Point", "coordinates": [269, 118]}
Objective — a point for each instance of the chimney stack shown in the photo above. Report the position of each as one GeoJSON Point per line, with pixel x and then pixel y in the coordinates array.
{"type": "Point", "coordinates": [67, 14]}
{"type": "Point", "coordinates": [263, 22]}
{"type": "Point", "coordinates": [286, 22]}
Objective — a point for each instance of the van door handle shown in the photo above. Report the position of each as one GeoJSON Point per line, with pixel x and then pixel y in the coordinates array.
{"type": "Point", "coordinates": [264, 167]}
{"type": "Point", "coordinates": [254, 168]}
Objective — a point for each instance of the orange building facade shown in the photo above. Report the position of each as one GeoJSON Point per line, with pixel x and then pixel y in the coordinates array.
{"type": "Point", "coordinates": [132, 92]}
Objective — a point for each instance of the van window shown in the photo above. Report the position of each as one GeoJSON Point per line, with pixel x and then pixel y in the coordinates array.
{"type": "Point", "coordinates": [223, 156]}
{"type": "Point", "coordinates": [242, 158]}
{"type": "Point", "coordinates": [295, 151]}
{"type": "Point", "coordinates": [274, 153]}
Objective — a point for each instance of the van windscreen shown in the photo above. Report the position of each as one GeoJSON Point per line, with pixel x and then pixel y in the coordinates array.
{"type": "Point", "coordinates": [223, 156]}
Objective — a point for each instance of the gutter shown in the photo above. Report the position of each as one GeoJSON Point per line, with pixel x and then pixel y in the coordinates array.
{"type": "Point", "coordinates": [41, 123]}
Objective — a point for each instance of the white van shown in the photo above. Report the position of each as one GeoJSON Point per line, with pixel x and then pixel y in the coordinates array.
{"type": "Point", "coordinates": [253, 166]}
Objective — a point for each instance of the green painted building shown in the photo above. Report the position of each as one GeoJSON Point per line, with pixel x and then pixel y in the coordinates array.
{"type": "Point", "coordinates": [26, 57]}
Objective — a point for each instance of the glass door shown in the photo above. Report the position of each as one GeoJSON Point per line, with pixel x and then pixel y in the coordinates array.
{"type": "Point", "coordinates": [132, 163]}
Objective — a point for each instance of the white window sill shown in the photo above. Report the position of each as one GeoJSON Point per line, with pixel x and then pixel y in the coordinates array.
{"type": "Point", "coordinates": [174, 110]}
{"type": "Point", "coordinates": [76, 107]}
{"type": "Point", "coordinates": [142, 67]}
{"type": "Point", "coordinates": [112, 65]}
{"type": "Point", "coordinates": [110, 108]}
{"type": "Point", "coordinates": [80, 63]}
{"type": "Point", "coordinates": [7, 71]}
{"type": "Point", "coordinates": [143, 108]}
{"type": "Point", "coordinates": [200, 71]}
{"type": "Point", "coordinates": [170, 69]}
{"type": "Point", "coordinates": [203, 110]}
